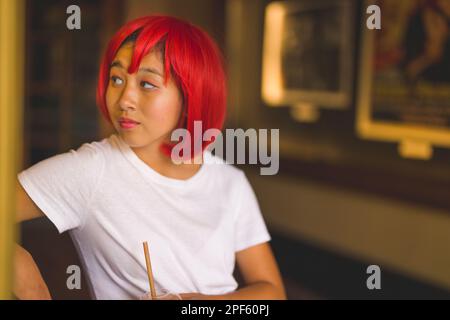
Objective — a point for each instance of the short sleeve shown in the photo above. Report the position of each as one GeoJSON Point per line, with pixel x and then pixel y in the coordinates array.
{"type": "Point", "coordinates": [250, 228]}
{"type": "Point", "coordinates": [62, 186]}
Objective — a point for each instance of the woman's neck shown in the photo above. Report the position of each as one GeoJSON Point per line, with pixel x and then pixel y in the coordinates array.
{"type": "Point", "coordinates": [155, 159]}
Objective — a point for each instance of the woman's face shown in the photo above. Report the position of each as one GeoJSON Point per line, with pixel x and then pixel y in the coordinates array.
{"type": "Point", "coordinates": [142, 109]}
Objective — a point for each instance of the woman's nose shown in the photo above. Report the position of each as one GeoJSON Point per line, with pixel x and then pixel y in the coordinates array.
{"type": "Point", "coordinates": [126, 106]}
{"type": "Point", "coordinates": [128, 99]}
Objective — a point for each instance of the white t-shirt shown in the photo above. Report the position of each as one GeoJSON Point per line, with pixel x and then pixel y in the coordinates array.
{"type": "Point", "coordinates": [112, 202]}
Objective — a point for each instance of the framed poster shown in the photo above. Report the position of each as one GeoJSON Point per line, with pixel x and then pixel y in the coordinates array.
{"type": "Point", "coordinates": [404, 77]}
{"type": "Point", "coordinates": [327, 151]}
{"type": "Point", "coordinates": [307, 55]}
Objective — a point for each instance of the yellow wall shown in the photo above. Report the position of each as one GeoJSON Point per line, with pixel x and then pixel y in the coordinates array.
{"type": "Point", "coordinates": [12, 22]}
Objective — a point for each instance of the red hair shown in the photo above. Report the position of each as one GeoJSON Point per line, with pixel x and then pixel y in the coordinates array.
{"type": "Point", "coordinates": [190, 56]}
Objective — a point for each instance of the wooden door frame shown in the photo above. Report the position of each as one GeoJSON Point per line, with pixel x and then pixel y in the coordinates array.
{"type": "Point", "coordinates": [12, 28]}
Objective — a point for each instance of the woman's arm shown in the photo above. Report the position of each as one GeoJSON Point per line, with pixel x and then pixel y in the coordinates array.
{"type": "Point", "coordinates": [28, 281]}
{"type": "Point", "coordinates": [260, 273]}
{"type": "Point", "coordinates": [26, 209]}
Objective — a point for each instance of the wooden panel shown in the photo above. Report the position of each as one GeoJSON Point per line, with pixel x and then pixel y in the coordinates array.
{"type": "Point", "coordinates": [11, 93]}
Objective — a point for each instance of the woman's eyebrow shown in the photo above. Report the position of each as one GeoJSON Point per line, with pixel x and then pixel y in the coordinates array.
{"type": "Point", "coordinates": [118, 64]}
{"type": "Point", "coordinates": [151, 70]}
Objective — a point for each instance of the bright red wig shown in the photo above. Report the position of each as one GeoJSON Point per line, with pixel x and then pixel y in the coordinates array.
{"type": "Point", "coordinates": [190, 56]}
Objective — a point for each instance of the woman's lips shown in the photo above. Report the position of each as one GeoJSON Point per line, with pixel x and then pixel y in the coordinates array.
{"type": "Point", "coordinates": [127, 123]}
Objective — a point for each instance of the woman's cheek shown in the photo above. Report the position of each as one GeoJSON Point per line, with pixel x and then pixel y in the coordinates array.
{"type": "Point", "coordinates": [109, 101]}
{"type": "Point", "coordinates": [156, 116]}
{"type": "Point", "coordinates": [155, 110]}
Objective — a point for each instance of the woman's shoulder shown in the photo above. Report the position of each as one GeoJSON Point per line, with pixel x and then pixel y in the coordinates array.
{"type": "Point", "coordinates": [100, 146]}
{"type": "Point", "coordinates": [89, 155]}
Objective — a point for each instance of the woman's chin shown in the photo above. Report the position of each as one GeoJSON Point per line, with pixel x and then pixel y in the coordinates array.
{"type": "Point", "coordinates": [134, 141]}
{"type": "Point", "coordinates": [130, 140]}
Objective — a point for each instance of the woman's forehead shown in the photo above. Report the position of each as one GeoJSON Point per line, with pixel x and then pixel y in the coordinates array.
{"type": "Point", "coordinates": [153, 60]}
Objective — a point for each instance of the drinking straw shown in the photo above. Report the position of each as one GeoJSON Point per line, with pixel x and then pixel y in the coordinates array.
{"type": "Point", "coordinates": [149, 271]}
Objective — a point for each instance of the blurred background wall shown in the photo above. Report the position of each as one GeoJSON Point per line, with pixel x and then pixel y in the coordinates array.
{"type": "Point", "coordinates": [338, 204]}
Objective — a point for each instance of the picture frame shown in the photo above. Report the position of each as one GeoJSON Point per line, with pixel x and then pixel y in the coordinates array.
{"type": "Point", "coordinates": [402, 97]}
{"type": "Point", "coordinates": [308, 56]}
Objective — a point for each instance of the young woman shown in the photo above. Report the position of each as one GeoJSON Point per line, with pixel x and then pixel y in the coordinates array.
{"type": "Point", "coordinates": [158, 74]}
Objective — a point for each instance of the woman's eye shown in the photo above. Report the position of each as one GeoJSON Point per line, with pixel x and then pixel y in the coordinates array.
{"type": "Point", "coordinates": [147, 85]}
{"type": "Point", "coordinates": [116, 80]}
